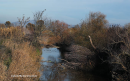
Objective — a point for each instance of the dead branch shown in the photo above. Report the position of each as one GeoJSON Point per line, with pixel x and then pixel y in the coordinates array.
{"type": "Point", "coordinates": [121, 65]}
{"type": "Point", "coordinates": [91, 42]}
{"type": "Point", "coordinates": [23, 21]}
{"type": "Point", "coordinates": [72, 63]}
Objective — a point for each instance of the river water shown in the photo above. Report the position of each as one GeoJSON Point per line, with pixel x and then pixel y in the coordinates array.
{"type": "Point", "coordinates": [52, 70]}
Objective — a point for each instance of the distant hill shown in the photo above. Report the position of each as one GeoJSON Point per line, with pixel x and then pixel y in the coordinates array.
{"type": "Point", "coordinates": [71, 26]}
{"type": "Point", "coordinates": [17, 23]}
{"type": "Point", "coordinates": [32, 21]}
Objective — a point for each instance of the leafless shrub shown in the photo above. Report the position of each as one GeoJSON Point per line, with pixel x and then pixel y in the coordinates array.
{"type": "Point", "coordinates": [23, 21]}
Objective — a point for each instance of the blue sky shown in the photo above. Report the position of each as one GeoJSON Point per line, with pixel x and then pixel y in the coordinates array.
{"type": "Point", "coordinates": [69, 11]}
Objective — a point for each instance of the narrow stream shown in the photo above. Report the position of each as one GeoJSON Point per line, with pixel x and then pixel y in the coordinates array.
{"type": "Point", "coordinates": [52, 71]}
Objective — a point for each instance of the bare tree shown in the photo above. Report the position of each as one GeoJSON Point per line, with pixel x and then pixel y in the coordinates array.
{"type": "Point", "coordinates": [38, 16]}
{"type": "Point", "coordinates": [39, 22]}
{"type": "Point", "coordinates": [23, 21]}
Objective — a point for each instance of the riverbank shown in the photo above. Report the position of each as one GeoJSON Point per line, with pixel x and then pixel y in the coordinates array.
{"type": "Point", "coordinates": [56, 70]}
{"type": "Point", "coordinates": [18, 56]}
{"type": "Point", "coordinates": [79, 58]}
{"type": "Point", "coordinates": [99, 62]}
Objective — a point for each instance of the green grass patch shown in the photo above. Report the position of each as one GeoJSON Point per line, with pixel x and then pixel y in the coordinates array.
{"type": "Point", "coordinates": [7, 62]}
{"type": "Point", "coordinates": [1, 41]}
{"type": "Point", "coordinates": [38, 52]}
{"type": "Point", "coordinates": [8, 57]}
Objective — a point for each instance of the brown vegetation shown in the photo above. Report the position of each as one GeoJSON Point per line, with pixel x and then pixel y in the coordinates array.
{"type": "Point", "coordinates": [79, 58]}
{"type": "Point", "coordinates": [11, 32]}
{"type": "Point", "coordinates": [24, 61]}
{"type": "Point", "coordinates": [2, 25]}
{"type": "Point", "coordinates": [61, 32]}
{"type": "Point", "coordinates": [109, 55]}
{"type": "Point", "coordinates": [8, 24]}
{"type": "Point", "coordinates": [18, 57]}
{"type": "Point", "coordinates": [111, 45]}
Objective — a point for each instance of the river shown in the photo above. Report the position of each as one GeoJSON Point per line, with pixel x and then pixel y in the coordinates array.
{"type": "Point", "coordinates": [52, 70]}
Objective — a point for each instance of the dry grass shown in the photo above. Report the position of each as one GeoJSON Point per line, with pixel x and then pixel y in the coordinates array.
{"type": "Point", "coordinates": [11, 32]}
{"type": "Point", "coordinates": [25, 61]}
{"type": "Point", "coordinates": [43, 40]}
{"type": "Point", "coordinates": [47, 40]}
{"type": "Point", "coordinates": [25, 58]}
{"type": "Point", "coordinates": [3, 73]}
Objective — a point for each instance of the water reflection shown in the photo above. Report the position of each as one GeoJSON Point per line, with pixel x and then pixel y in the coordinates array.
{"type": "Point", "coordinates": [55, 71]}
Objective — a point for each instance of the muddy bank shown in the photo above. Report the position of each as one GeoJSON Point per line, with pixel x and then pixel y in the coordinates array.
{"type": "Point", "coordinates": [99, 62]}
{"type": "Point", "coordinates": [54, 69]}
{"type": "Point", "coordinates": [79, 58]}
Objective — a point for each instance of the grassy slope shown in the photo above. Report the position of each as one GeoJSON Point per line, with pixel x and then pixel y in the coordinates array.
{"type": "Point", "coordinates": [18, 57]}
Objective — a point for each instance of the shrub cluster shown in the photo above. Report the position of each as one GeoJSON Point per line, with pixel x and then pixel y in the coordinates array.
{"type": "Point", "coordinates": [113, 40]}
{"type": "Point", "coordinates": [112, 43]}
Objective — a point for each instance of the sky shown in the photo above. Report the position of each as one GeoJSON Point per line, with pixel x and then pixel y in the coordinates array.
{"type": "Point", "coordinates": [70, 11]}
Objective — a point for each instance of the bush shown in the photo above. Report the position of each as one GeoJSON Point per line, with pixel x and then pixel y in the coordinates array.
{"type": "Point", "coordinates": [96, 27]}
{"type": "Point", "coordinates": [12, 32]}
{"type": "Point", "coordinates": [61, 32]}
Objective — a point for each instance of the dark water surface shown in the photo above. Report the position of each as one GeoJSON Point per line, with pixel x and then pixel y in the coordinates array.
{"type": "Point", "coordinates": [52, 70]}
